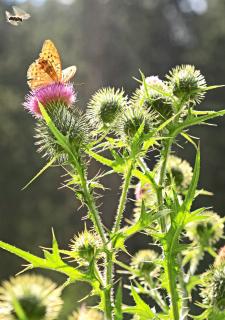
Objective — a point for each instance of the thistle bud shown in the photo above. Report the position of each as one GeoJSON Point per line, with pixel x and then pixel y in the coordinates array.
{"type": "Point", "coordinates": [144, 193]}
{"type": "Point", "coordinates": [187, 84]}
{"type": "Point", "coordinates": [86, 314]}
{"type": "Point", "coordinates": [38, 297]}
{"type": "Point", "coordinates": [144, 262]}
{"type": "Point", "coordinates": [180, 171]}
{"type": "Point", "coordinates": [105, 107]}
{"type": "Point", "coordinates": [132, 120]}
{"type": "Point", "coordinates": [87, 246]}
{"type": "Point", "coordinates": [213, 290]}
{"type": "Point", "coordinates": [206, 232]}
{"type": "Point", "coordinates": [153, 95]}
{"type": "Point", "coordinates": [71, 123]}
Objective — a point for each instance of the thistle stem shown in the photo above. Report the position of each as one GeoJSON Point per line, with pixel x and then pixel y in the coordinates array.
{"type": "Point", "coordinates": [172, 282]}
{"type": "Point", "coordinates": [94, 215]}
{"type": "Point", "coordinates": [173, 290]}
{"type": "Point", "coordinates": [164, 155]}
{"type": "Point", "coordinates": [108, 287]}
{"type": "Point", "coordinates": [88, 199]}
{"type": "Point", "coordinates": [109, 258]}
{"type": "Point", "coordinates": [185, 297]}
{"type": "Point", "coordinates": [123, 198]}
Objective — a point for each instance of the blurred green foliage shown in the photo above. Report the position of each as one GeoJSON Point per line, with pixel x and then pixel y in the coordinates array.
{"type": "Point", "coordinates": [109, 41]}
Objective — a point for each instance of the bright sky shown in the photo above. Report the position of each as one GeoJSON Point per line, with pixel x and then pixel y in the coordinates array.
{"type": "Point", "coordinates": [198, 6]}
{"type": "Point", "coordinates": [40, 2]}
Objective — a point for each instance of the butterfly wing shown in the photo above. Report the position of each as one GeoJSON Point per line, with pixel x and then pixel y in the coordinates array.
{"type": "Point", "coordinates": [37, 77]}
{"type": "Point", "coordinates": [50, 54]}
{"type": "Point", "coordinates": [68, 73]}
{"type": "Point", "coordinates": [47, 68]}
{"type": "Point", "coordinates": [21, 13]}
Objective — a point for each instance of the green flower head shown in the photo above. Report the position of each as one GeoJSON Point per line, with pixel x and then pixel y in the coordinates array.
{"type": "Point", "coordinates": [105, 107]}
{"type": "Point", "coordinates": [87, 246]}
{"type": "Point", "coordinates": [213, 289]}
{"type": "Point", "coordinates": [206, 232]}
{"type": "Point", "coordinates": [132, 120]}
{"type": "Point", "coordinates": [187, 83]}
{"type": "Point", "coordinates": [154, 95]}
{"type": "Point", "coordinates": [37, 296]}
{"type": "Point", "coordinates": [180, 171]}
{"type": "Point", "coordinates": [70, 122]}
{"type": "Point", "coordinates": [144, 262]}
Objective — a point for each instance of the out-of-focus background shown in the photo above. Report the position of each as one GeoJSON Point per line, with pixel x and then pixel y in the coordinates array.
{"type": "Point", "coordinates": [109, 41]}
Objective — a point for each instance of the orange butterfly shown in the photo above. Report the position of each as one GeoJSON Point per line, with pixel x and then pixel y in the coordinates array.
{"type": "Point", "coordinates": [47, 68]}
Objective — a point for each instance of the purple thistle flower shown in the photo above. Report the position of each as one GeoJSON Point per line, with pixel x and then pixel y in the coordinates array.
{"type": "Point", "coordinates": [53, 93]}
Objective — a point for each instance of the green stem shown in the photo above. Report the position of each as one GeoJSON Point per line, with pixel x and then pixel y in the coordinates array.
{"type": "Point", "coordinates": [109, 258]}
{"type": "Point", "coordinates": [88, 199]}
{"type": "Point", "coordinates": [94, 214]}
{"type": "Point", "coordinates": [164, 156]}
{"type": "Point", "coordinates": [123, 198]}
{"type": "Point", "coordinates": [185, 297]}
{"type": "Point", "coordinates": [170, 263]}
{"type": "Point", "coordinates": [173, 290]}
{"type": "Point", "coordinates": [145, 170]}
{"type": "Point", "coordinates": [108, 287]}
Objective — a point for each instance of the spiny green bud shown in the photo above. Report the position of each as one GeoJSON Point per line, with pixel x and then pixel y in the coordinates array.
{"type": "Point", "coordinates": [86, 314]}
{"type": "Point", "coordinates": [70, 122]}
{"type": "Point", "coordinates": [213, 289]}
{"type": "Point", "coordinates": [144, 262]}
{"type": "Point", "coordinates": [153, 95]}
{"type": "Point", "coordinates": [187, 83]}
{"type": "Point", "coordinates": [180, 171]}
{"type": "Point", "coordinates": [132, 120]}
{"type": "Point", "coordinates": [105, 107]}
{"type": "Point", "coordinates": [147, 194]}
{"type": "Point", "coordinates": [38, 297]}
{"type": "Point", "coordinates": [87, 245]}
{"type": "Point", "coordinates": [206, 232]}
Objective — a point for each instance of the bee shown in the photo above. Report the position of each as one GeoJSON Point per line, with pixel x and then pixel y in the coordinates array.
{"type": "Point", "coordinates": [17, 17]}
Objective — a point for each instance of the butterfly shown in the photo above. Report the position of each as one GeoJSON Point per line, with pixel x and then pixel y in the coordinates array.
{"type": "Point", "coordinates": [47, 68]}
{"type": "Point", "coordinates": [17, 17]}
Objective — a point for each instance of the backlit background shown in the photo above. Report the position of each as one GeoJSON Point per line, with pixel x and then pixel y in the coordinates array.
{"type": "Point", "coordinates": [109, 41]}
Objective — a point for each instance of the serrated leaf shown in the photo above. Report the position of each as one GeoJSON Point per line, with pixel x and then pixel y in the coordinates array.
{"type": "Point", "coordinates": [195, 120]}
{"type": "Point", "coordinates": [61, 139]}
{"type": "Point", "coordinates": [193, 186]}
{"type": "Point", "coordinates": [50, 262]}
{"type": "Point", "coordinates": [189, 139]}
{"type": "Point", "coordinates": [40, 172]}
{"type": "Point", "coordinates": [99, 158]}
{"type": "Point", "coordinates": [118, 303]}
{"type": "Point", "coordinates": [137, 140]}
{"type": "Point", "coordinates": [141, 308]}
